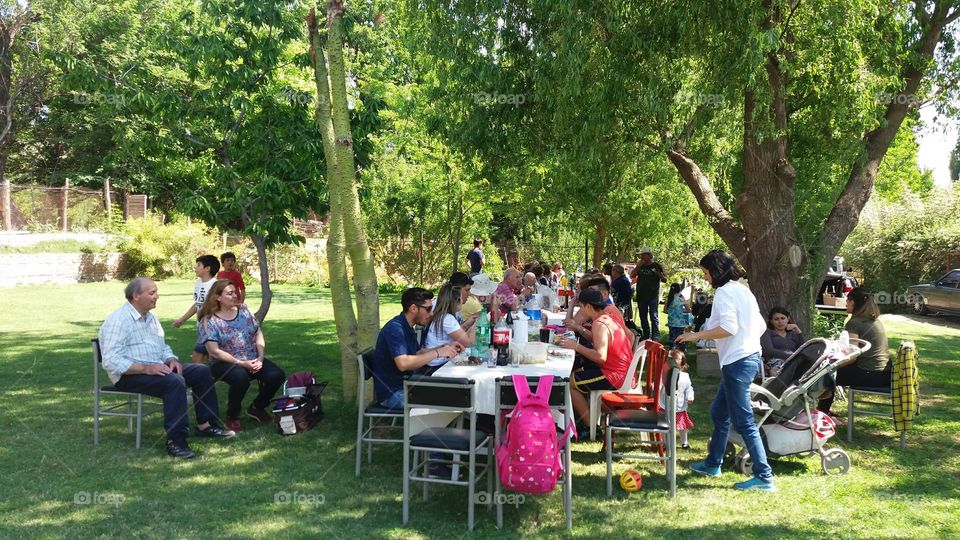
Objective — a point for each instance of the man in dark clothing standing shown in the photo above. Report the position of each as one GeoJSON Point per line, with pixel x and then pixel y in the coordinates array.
{"type": "Point", "coordinates": [649, 276]}
{"type": "Point", "coordinates": [475, 258]}
{"type": "Point", "coordinates": [622, 291]}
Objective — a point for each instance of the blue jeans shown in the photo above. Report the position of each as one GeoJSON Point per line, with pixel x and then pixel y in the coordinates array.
{"type": "Point", "coordinates": [395, 401]}
{"type": "Point", "coordinates": [675, 332]}
{"type": "Point", "coordinates": [732, 406]}
{"type": "Point", "coordinates": [651, 327]}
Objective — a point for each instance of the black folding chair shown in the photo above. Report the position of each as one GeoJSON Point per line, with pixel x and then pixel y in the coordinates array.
{"type": "Point", "coordinates": [560, 402]}
{"type": "Point", "coordinates": [131, 400]}
{"type": "Point", "coordinates": [642, 421]}
{"type": "Point", "coordinates": [373, 413]}
{"type": "Point", "coordinates": [443, 394]}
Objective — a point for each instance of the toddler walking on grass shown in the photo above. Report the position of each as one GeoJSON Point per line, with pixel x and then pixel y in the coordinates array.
{"type": "Point", "coordinates": [684, 398]}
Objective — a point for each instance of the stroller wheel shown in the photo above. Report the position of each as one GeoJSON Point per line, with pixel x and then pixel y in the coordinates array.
{"type": "Point", "coordinates": [745, 463]}
{"type": "Point", "coordinates": [730, 453]}
{"type": "Point", "coordinates": [835, 462]}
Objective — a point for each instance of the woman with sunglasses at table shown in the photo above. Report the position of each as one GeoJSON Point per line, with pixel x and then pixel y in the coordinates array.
{"type": "Point", "coordinates": [446, 328]}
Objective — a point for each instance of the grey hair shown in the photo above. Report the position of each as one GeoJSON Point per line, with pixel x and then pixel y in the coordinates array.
{"type": "Point", "coordinates": [134, 287]}
{"type": "Point", "coordinates": [510, 272]}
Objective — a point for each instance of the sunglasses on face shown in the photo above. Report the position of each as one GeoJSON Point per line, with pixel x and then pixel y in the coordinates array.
{"type": "Point", "coordinates": [428, 308]}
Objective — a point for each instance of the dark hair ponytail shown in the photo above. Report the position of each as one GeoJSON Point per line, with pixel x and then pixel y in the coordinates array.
{"type": "Point", "coordinates": [722, 268]}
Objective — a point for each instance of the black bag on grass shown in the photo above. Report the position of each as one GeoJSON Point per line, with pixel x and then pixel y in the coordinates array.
{"type": "Point", "coordinates": [300, 407]}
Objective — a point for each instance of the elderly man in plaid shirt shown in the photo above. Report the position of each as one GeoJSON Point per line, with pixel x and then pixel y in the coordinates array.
{"type": "Point", "coordinates": [137, 359]}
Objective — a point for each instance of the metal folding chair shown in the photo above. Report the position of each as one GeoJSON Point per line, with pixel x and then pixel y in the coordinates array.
{"type": "Point", "coordinates": [373, 413]}
{"type": "Point", "coordinates": [131, 399]}
{"type": "Point", "coordinates": [451, 395]}
{"type": "Point", "coordinates": [560, 402]}
{"type": "Point", "coordinates": [661, 423]}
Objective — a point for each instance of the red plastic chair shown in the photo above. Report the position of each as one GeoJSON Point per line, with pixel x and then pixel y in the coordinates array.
{"type": "Point", "coordinates": [650, 398]}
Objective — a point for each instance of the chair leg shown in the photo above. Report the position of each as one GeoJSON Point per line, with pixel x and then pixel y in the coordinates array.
{"type": "Point", "coordinates": [672, 464]}
{"type": "Point", "coordinates": [96, 418]}
{"type": "Point", "coordinates": [471, 488]}
{"type": "Point", "coordinates": [594, 413]}
{"type": "Point", "coordinates": [423, 457]}
{"type": "Point", "coordinates": [370, 426]}
{"type": "Point", "coordinates": [130, 414]}
{"type": "Point", "coordinates": [850, 415]}
{"type": "Point", "coordinates": [406, 483]}
{"type": "Point", "coordinates": [139, 418]}
{"type": "Point", "coordinates": [359, 447]}
{"type": "Point", "coordinates": [609, 461]}
{"type": "Point", "coordinates": [568, 487]}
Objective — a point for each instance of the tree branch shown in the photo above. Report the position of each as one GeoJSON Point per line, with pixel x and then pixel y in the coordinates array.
{"type": "Point", "coordinates": [722, 221]}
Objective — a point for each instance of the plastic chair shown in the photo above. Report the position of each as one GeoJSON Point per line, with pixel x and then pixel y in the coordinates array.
{"type": "Point", "coordinates": [559, 401]}
{"type": "Point", "coordinates": [113, 410]}
{"type": "Point", "coordinates": [444, 394]}
{"type": "Point", "coordinates": [372, 412]}
{"type": "Point", "coordinates": [647, 396]}
{"type": "Point", "coordinates": [659, 423]}
{"type": "Point", "coordinates": [629, 383]}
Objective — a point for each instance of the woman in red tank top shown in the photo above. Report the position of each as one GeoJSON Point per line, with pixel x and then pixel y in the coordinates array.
{"type": "Point", "coordinates": [609, 358]}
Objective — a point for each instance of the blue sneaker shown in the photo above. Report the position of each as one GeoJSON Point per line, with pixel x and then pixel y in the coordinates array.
{"type": "Point", "coordinates": [756, 483]}
{"type": "Point", "coordinates": [701, 467]}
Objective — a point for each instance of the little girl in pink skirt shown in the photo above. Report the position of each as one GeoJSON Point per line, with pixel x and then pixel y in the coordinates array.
{"type": "Point", "coordinates": [684, 397]}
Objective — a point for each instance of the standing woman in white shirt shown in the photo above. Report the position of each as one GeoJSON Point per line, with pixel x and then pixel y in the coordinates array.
{"type": "Point", "coordinates": [445, 326]}
{"type": "Point", "coordinates": [736, 325]}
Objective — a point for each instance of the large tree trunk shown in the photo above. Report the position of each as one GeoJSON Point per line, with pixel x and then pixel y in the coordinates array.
{"type": "Point", "coordinates": [599, 242]}
{"type": "Point", "coordinates": [364, 274]}
{"type": "Point", "coordinates": [765, 239]}
{"type": "Point", "coordinates": [264, 265]}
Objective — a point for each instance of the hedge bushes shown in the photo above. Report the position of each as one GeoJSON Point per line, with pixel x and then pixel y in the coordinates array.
{"type": "Point", "coordinates": [906, 242]}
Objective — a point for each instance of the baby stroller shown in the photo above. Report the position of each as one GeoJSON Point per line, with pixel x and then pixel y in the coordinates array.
{"type": "Point", "coordinates": [788, 424]}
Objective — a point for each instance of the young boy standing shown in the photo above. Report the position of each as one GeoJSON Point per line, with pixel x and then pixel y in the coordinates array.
{"type": "Point", "coordinates": [207, 268]}
{"type": "Point", "coordinates": [229, 262]}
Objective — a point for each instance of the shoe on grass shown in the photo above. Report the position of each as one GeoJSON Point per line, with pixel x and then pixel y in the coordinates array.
{"type": "Point", "coordinates": [233, 424]}
{"type": "Point", "coordinates": [756, 484]}
{"type": "Point", "coordinates": [685, 446]}
{"type": "Point", "coordinates": [215, 431]}
{"type": "Point", "coordinates": [179, 450]}
{"type": "Point", "coordinates": [258, 414]}
{"type": "Point", "coordinates": [701, 467]}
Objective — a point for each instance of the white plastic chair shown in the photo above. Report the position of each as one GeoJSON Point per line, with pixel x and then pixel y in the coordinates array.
{"type": "Point", "coordinates": [628, 386]}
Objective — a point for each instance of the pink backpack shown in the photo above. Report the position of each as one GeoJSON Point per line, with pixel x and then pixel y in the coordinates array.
{"type": "Point", "coordinates": [528, 459]}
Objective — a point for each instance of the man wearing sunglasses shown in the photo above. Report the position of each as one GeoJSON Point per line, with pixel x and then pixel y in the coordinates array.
{"type": "Point", "coordinates": [398, 350]}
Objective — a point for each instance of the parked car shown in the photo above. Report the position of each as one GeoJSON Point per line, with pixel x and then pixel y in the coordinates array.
{"type": "Point", "coordinates": [838, 282]}
{"type": "Point", "coordinates": [940, 296]}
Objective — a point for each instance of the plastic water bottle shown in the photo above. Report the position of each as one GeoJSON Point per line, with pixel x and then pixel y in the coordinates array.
{"type": "Point", "coordinates": [483, 336]}
{"type": "Point", "coordinates": [532, 310]}
{"type": "Point", "coordinates": [844, 341]}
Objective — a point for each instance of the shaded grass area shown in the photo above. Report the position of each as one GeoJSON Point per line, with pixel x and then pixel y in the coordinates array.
{"type": "Point", "coordinates": [56, 484]}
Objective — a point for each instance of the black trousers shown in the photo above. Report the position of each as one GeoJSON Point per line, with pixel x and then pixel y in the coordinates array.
{"type": "Point", "coordinates": [270, 376]}
{"type": "Point", "coordinates": [854, 376]}
{"type": "Point", "coordinates": [172, 388]}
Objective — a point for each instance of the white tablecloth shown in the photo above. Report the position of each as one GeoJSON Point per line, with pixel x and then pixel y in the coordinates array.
{"type": "Point", "coordinates": [558, 365]}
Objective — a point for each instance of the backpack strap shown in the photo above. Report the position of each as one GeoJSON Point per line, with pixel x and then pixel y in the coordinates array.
{"type": "Point", "coordinates": [544, 387]}
{"type": "Point", "coordinates": [520, 382]}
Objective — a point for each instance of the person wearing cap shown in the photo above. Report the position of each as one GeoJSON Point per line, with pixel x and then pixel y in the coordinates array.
{"type": "Point", "coordinates": [607, 361]}
{"type": "Point", "coordinates": [649, 276]}
{"type": "Point", "coordinates": [483, 290]}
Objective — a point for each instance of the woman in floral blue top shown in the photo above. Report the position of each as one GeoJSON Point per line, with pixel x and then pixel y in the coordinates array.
{"type": "Point", "coordinates": [236, 346]}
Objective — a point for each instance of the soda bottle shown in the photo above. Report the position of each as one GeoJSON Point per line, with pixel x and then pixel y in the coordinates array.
{"type": "Point", "coordinates": [501, 341]}
{"type": "Point", "coordinates": [483, 336]}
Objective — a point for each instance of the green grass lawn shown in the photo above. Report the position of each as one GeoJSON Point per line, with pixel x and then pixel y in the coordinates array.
{"type": "Point", "coordinates": [231, 490]}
